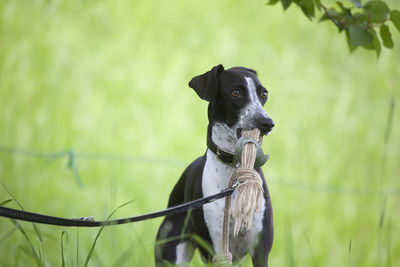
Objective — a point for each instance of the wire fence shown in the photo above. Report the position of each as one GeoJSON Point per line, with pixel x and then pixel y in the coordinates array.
{"type": "Point", "coordinates": [72, 158]}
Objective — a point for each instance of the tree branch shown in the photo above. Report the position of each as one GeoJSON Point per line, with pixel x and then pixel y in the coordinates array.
{"type": "Point", "coordinates": [332, 18]}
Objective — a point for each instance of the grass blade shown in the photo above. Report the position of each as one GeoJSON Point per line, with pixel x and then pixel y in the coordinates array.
{"type": "Point", "coordinates": [22, 231]}
{"type": "Point", "coordinates": [289, 245]}
{"type": "Point", "coordinates": [382, 180]}
{"type": "Point", "coordinates": [388, 243]}
{"type": "Point", "coordinates": [202, 243]}
{"type": "Point", "coordinates": [40, 253]}
{"type": "Point", "coordinates": [123, 258]}
{"type": "Point", "coordinates": [350, 253]}
{"type": "Point", "coordinates": [37, 231]}
{"type": "Point", "coordinates": [311, 250]}
{"type": "Point", "coordinates": [12, 196]}
{"type": "Point", "coordinates": [8, 235]}
{"type": "Point", "coordinates": [37, 255]}
{"type": "Point", "coordinates": [186, 222]}
{"type": "Point", "coordinates": [100, 231]}
{"type": "Point", "coordinates": [5, 202]}
{"type": "Point", "coordinates": [64, 233]}
{"type": "Point", "coordinates": [77, 246]}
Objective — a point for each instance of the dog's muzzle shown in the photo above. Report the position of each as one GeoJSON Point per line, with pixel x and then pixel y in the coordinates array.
{"type": "Point", "coordinates": [264, 124]}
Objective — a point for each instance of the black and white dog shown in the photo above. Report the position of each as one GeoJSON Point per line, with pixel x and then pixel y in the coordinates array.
{"type": "Point", "coordinates": [236, 99]}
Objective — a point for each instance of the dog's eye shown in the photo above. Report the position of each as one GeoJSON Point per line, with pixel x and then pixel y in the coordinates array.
{"type": "Point", "coordinates": [264, 95]}
{"type": "Point", "coordinates": [235, 92]}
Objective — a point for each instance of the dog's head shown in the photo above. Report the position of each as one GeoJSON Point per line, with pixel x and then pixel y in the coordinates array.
{"type": "Point", "coordinates": [236, 98]}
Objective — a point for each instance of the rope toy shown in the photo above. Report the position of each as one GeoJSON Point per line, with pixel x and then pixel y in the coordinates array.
{"type": "Point", "coordinates": [248, 196]}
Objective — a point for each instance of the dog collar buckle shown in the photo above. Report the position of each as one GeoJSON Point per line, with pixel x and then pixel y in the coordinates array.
{"type": "Point", "coordinates": [223, 156]}
{"type": "Point", "coordinates": [220, 154]}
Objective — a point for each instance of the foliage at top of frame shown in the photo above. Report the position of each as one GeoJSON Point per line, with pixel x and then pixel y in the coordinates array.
{"type": "Point", "coordinates": [360, 21]}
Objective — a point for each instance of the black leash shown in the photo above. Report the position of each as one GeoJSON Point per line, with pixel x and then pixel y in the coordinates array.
{"type": "Point", "coordinates": [90, 222]}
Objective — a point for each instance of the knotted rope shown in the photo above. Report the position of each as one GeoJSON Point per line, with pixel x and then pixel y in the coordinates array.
{"type": "Point", "coordinates": [248, 197]}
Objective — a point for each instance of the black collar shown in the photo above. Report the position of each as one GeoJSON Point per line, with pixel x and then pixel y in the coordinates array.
{"type": "Point", "coordinates": [222, 155]}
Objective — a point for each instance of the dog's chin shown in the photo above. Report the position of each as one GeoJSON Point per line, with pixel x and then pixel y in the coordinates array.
{"type": "Point", "coordinates": [266, 132]}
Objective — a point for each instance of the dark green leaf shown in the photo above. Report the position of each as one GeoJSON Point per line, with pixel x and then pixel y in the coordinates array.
{"type": "Point", "coordinates": [375, 44]}
{"type": "Point", "coordinates": [272, 2]}
{"type": "Point", "coordinates": [5, 202]}
{"type": "Point", "coordinates": [377, 11]}
{"type": "Point", "coordinates": [395, 18]}
{"type": "Point", "coordinates": [318, 4]}
{"type": "Point", "coordinates": [386, 36]}
{"type": "Point", "coordinates": [352, 48]}
{"type": "Point", "coordinates": [361, 18]}
{"type": "Point", "coordinates": [346, 11]}
{"type": "Point", "coordinates": [331, 12]}
{"type": "Point", "coordinates": [356, 3]}
{"type": "Point", "coordinates": [286, 4]}
{"type": "Point", "coordinates": [308, 8]}
{"type": "Point", "coordinates": [359, 36]}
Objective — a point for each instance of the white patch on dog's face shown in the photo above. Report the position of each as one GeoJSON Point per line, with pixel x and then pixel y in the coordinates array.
{"type": "Point", "coordinates": [224, 136]}
{"type": "Point", "coordinates": [252, 109]}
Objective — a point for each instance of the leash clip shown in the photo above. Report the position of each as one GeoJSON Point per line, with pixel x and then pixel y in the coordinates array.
{"type": "Point", "coordinates": [235, 184]}
{"type": "Point", "coordinates": [88, 218]}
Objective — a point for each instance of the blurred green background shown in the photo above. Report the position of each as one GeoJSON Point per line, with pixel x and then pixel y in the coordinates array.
{"type": "Point", "coordinates": [106, 81]}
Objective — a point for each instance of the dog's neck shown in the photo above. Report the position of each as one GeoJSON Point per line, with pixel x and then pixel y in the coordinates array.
{"type": "Point", "coordinates": [223, 136]}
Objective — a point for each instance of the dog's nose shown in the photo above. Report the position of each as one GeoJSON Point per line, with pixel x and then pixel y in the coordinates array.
{"type": "Point", "coordinates": [265, 124]}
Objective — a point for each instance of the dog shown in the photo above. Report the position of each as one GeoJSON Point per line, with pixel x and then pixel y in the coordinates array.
{"type": "Point", "coordinates": [236, 99]}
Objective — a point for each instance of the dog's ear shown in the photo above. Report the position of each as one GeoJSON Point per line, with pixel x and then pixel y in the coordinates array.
{"type": "Point", "coordinates": [206, 85]}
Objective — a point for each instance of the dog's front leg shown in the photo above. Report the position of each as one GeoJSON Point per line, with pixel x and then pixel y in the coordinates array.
{"type": "Point", "coordinates": [214, 218]}
{"type": "Point", "coordinates": [215, 178]}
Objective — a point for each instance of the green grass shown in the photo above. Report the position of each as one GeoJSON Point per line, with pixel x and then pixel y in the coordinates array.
{"type": "Point", "coordinates": [110, 77]}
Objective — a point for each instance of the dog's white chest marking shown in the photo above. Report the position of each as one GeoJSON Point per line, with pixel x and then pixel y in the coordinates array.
{"type": "Point", "coordinates": [216, 176]}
